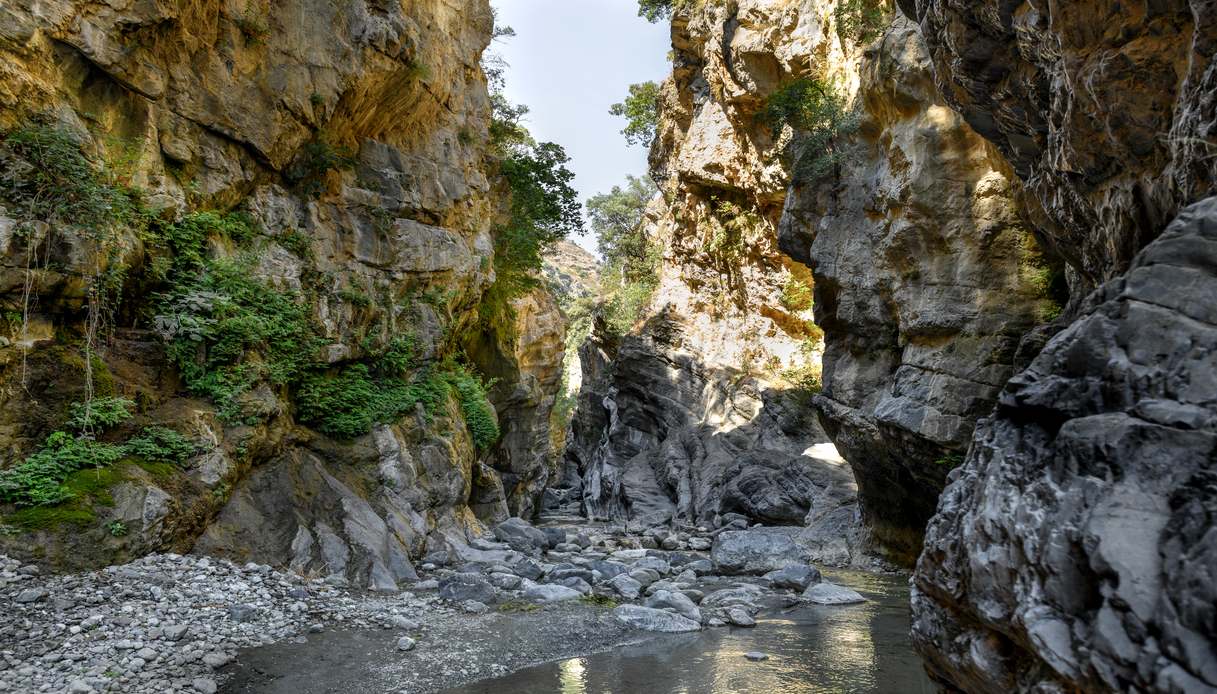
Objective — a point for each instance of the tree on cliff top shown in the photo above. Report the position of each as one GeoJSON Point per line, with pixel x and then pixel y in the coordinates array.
{"type": "Point", "coordinates": [641, 111]}
{"type": "Point", "coordinates": [616, 219]}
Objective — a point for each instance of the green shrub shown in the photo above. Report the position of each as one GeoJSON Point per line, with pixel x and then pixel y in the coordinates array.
{"type": "Point", "coordinates": [156, 444]}
{"type": "Point", "coordinates": [39, 480]}
{"type": "Point", "coordinates": [116, 528]}
{"type": "Point", "coordinates": [656, 10]}
{"type": "Point", "coordinates": [187, 239]}
{"type": "Point", "coordinates": [221, 317]}
{"type": "Point", "coordinates": [348, 404]}
{"type": "Point", "coordinates": [99, 414]}
{"type": "Point", "coordinates": [797, 295]}
{"type": "Point", "coordinates": [316, 159]}
{"type": "Point", "coordinates": [475, 406]}
{"type": "Point", "coordinates": [861, 21]}
{"type": "Point", "coordinates": [818, 115]}
{"type": "Point", "coordinates": [950, 460]}
{"type": "Point", "coordinates": [641, 111]}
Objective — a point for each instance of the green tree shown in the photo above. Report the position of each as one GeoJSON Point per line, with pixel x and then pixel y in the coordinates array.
{"type": "Point", "coordinates": [818, 114]}
{"type": "Point", "coordinates": [641, 111]}
{"type": "Point", "coordinates": [616, 219]}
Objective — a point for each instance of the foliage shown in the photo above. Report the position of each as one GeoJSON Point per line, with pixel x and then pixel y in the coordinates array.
{"type": "Point", "coordinates": [599, 601]}
{"type": "Point", "coordinates": [950, 460]}
{"type": "Point", "coordinates": [616, 219]}
{"type": "Point", "coordinates": [157, 444]}
{"type": "Point", "coordinates": [187, 239]}
{"type": "Point", "coordinates": [314, 161]}
{"type": "Point", "coordinates": [55, 182]}
{"type": "Point", "coordinates": [116, 528]}
{"type": "Point", "coordinates": [475, 406]}
{"type": "Point", "coordinates": [797, 295]}
{"type": "Point", "coordinates": [861, 21]}
{"type": "Point", "coordinates": [656, 10]}
{"type": "Point", "coordinates": [99, 414]}
{"type": "Point", "coordinates": [348, 404]}
{"type": "Point", "coordinates": [216, 320]}
{"type": "Point", "coordinates": [818, 115]}
{"type": "Point", "coordinates": [38, 481]}
{"type": "Point", "coordinates": [641, 111]}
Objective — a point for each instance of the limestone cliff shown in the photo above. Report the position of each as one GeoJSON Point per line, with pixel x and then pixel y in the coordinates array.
{"type": "Point", "coordinates": [927, 279]}
{"type": "Point", "coordinates": [702, 409]}
{"type": "Point", "coordinates": [1074, 548]}
{"type": "Point", "coordinates": [302, 189]}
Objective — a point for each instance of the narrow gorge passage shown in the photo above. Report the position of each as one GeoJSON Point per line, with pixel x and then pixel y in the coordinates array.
{"type": "Point", "coordinates": [608, 346]}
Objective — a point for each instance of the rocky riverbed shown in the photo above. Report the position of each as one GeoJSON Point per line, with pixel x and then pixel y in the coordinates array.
{"type": "Point", "coordinates": [170, 623]}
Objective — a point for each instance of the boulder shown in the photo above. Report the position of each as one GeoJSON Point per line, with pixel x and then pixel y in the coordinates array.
{"type": "Point", "coordinates": [548, 592]}
{"type": "Point", "coordinates": [625, 586]}
{"type": "Point", "coordinates": [825, 593]}
{"type": "Point", "coordinates": [521, 536]}
{"type": "Point", "coordinates": [756, 551]}
{"type": "Point", "coordinates": [677, 602]}
{"type": "Point", "coordinates": [462, 587]}
{"type": "Point", "coordinates": [795, 577]}
{"type": "Point", "coordinates": [651, 619]}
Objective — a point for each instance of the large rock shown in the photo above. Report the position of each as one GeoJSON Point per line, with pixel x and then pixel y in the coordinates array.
{"type": "Point", "coordinates": [521, 535]}
{"type": "Point", "coordinates": [649, 619]}
{"type": "Point", "coordinates": [461, 587]}
{"type": "Point", "coordinates": [756, 551]}
{"type": "Point", "coordinates": [794, 577]}
{"type": "Point", "coordinates": [1075, 548]}
{"type": "Point", "coordinates": [679, 603]}
{"type": "Point", "coordinates": [927, 279]}
{"type": "Point", "coordinates": [826, 593]}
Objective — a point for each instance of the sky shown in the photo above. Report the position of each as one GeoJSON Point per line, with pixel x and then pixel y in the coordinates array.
{"type": "Point", "coordinates": [569, 61]}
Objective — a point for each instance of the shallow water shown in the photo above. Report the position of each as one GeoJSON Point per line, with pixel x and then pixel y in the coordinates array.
{"type": "Point", "coordinates": [812, 650]}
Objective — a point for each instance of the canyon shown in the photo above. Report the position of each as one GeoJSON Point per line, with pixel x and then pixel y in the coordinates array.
{"type": "Point", "coordinates": [283, 290]}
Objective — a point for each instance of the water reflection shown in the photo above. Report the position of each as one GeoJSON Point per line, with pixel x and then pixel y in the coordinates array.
{"type": "Point", "coordinates": [812, 650]}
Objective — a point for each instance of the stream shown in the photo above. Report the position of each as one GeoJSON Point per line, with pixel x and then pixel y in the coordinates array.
{"type": "Point", "coordinates": [812, 650]}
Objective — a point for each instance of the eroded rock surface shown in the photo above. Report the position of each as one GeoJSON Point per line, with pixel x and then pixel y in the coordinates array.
{"type": "Point", "coordinates": [1076, 545]}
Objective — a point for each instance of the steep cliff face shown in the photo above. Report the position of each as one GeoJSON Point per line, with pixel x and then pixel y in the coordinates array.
{"type": "Point", "coordinates": [927, 279]}
{"type": "Point", "coordinates": [696, 413]}
{"type": "Point", "coordinates": [1073, 549]}
{"type": "Point", "coordinates": [300, 189]}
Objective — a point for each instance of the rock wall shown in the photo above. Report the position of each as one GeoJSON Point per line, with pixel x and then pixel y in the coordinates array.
{"type": "Point", "coordinates": [693, 414]}
{"type": "Point", "coordinates": [354, 138]}
{"type": "Point", "coordinates": [1073, 549]}
{"type": "Point", "coordinates": [927, 279]}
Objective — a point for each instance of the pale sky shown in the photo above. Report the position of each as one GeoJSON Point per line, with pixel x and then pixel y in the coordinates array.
{"type": "Point", "coordinates": [569, 61]}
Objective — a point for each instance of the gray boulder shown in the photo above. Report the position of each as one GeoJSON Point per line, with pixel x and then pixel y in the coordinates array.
{"type": "Point", "coordinates": [756, 551]}
{"type": "Point", "coordinates": [625, 586]}
{"type": "Point", "coordinates": [742, 595]}
{"type": "Point", "coordinates": [651, 619]}
{"type": "Point", "coordinates": [677, 602]}
{"type": "Point", "coordinates": [608, 569]}
{"type": "Point", "coordinates": [826, 593]}
{"type": "Point", "coordinates": [548, 592]}
{"type": "Point", "coordinates": [462, 587]}
{"type": "Point", "coordinates": [575, 583]}
{"type": "Point", "coordinates": [794, 577]}
{"type": "Point", "coordinates": [521, 536]}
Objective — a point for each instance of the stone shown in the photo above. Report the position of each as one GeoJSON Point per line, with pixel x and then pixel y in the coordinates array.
{"type": "Point", "coordinates": [463, 586]}
{"type": "Point", "coordinates": [216, 660]}
{"type": "Point", "coordinates": [405, 643]}
{"type": "Point", "coordinates": [31, 595]}
{"type": "Point", "coordinates": [625, 586]}
{"type": "Point", "coordinates": [650, 619]}
{"type": "Point", "coordinates": [521, 535]}
{"type": "Point", "coordinates": [756, 551]}
{"type": "Point", "coordinates": [756, 656]}
{"type": "Point", "coordinates": [545, 593]}
{"type": "Point", "coordinates": [204, 685]}
{"type": "Point", "coordinates": [677, 602]}
{"type": "Point", "coordinates": [795, 577]}
{"type": "Point", "coordinates": [737, 616]}
{"type": "Point", "coordinates": [175, 632]}
{"type": "Point", "coordinates": [241, 613]}
{"type": "Point", "coordinates": [825, 593]}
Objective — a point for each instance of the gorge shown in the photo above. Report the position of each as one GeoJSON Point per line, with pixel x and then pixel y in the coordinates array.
{"type": "Point", "coordinates": [306, 387]}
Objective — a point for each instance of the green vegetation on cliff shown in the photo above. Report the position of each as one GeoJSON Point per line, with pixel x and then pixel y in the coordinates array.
{"type": "Point", "coordinates": [821, 120]}
{"type": "Point", "coordinates": [631, 260]}
{"type": "Point", "coordinates": [862, 21]}
{"type": "Point", "coordinates": [641, 111]}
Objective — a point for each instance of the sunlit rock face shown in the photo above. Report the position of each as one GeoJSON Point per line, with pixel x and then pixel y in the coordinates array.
{"type": "Point", "coordinates": [927, 279]}
{"type": "Point", "coordinates": [692, 414]}
{"type": "Point", "coordinates": [211, 106]}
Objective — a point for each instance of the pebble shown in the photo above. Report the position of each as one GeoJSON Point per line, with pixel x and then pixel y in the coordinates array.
{"type": "Point", "coordinates": [405, 643]}
{"type": "Point", "coordinates": [756, 656]}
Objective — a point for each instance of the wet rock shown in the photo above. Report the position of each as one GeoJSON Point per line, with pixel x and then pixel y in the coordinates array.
{"type": "Point", "coordinates": [826, 593]}
{"type": "Point", "coordinates": [650, 619]}
{"type": "Point", "coordinates": [756, 551]}
{"type": "Point", "coordinates": [739, 617]}
{"type": "Point", "coordinates": [795, 577]}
